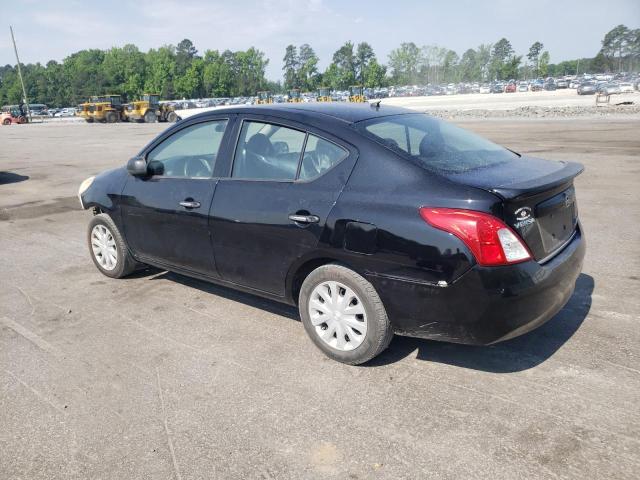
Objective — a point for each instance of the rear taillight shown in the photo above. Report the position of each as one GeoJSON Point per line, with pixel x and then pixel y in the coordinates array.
{"type": "Point", "coordinates": [488, 238]}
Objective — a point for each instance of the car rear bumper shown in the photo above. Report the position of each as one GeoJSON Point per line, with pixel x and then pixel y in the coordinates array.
{"type": "Point", "coordinates": [487, 304]}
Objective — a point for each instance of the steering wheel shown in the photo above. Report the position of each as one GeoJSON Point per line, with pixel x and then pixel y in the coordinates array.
{"type": "Point", "coordinates": [196, 167]}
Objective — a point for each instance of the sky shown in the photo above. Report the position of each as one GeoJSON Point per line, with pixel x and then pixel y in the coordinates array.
{"type": "Point", "coordinates": [47, 30]}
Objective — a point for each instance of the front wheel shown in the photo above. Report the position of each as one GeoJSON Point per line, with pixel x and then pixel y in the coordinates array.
{"type": "Point", "coordinates": [150, 117]}
{"type": "Point", "coordinates": [172, 117]}
{"type": "Point", "coordinates": [343, 315]}
{"type": "Point", "coordinates": [108, 249]}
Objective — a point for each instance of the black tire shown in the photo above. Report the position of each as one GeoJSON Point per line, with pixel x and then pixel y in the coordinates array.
{"type": "Point", "coordinates": [111, 117]}
{"type": "Point", "coordinates": [125, 263]}
{"type": "Point", "coordinates": [172, 117]}
{"type": "Point", "coordinates": [150, 117]}
{"type": "Point", "coordinates": [379, 330]}
{"type": "Point", "coordinates": [6, 121]}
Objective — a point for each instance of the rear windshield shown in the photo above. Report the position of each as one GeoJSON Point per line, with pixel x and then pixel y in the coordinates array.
{"type": "Point", "coordinates": [435, 144]}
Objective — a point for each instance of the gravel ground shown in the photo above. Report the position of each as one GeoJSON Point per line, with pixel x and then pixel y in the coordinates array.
{"type": "Point", "coordinates": [159, 376]}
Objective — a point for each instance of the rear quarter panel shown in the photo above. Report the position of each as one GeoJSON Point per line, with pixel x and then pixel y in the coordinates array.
{"type": "Point", "coordinates": [384, 193]}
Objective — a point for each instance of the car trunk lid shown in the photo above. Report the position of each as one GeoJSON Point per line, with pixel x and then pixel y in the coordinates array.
{"type": "Point", "coordinates": [538, 199]}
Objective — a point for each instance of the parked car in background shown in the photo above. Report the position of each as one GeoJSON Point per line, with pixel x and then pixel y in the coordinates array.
{"type": "Point", "coordinates": [549, 86]}
{"type": "Point", "coordinates": [497, 88]}
{"type": "Point", "coordinates": [485, 89]}
{"type": "Point", "coordinates": [66, 112]}
{"type": "Point", "coordinates": [510, 87]}
{"type": "Point", "coordinates": [625, 87]}
{"type": "Point", "coordinates": [537, 86]}
{"type": "Point", "coordinates": [587, 88]}
{"type": "Point", "coordinates": [562, 84]}
{"type": "Point", "coordinates": [479, 245]}
{"type": "Point", "coordinates": [523, 87]}
{"type": "Point", "coordinates": [608, 89]}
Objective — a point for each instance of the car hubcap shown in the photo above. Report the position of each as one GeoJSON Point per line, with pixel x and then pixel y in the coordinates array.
{"type": "Point", "coordinates": [104, 247]}
{"type": "Point", "coordinates": [338, 315]}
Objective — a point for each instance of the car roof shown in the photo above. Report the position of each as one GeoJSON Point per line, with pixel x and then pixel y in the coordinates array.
{"type": "Point", "coordinates": [344, 111]}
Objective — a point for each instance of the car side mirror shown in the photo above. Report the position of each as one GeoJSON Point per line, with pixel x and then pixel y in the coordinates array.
{"type": "Point", "coordinates": [137, 166]}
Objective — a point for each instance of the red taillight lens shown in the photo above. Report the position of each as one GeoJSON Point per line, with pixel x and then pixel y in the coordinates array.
{"type": "Point", "coordinates": [489, 239]}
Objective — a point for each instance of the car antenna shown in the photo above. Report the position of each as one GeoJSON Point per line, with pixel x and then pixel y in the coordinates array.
{"type": "Point", "coordinates": [376, 105]}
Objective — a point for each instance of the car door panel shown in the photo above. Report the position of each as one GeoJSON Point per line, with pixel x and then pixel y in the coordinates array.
{"type": "Point", "coordinates": [165, 215]}
{"type": "Point", "coordinates": [255, 241]}
{"type": "Point", "coordinates": [156, 226]}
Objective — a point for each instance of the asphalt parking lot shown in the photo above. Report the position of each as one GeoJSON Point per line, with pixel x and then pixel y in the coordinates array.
{"type": "Point", "coordinates": [160, 376]}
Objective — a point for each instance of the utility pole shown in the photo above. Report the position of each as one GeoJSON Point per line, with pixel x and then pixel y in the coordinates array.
{"type": "Point", "coordinates": [24, 91]}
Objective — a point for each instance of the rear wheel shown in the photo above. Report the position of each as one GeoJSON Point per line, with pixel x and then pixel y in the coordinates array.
{"type": "Point", "coordinates": [150, 117]}
{"type": "Point", "coordinates": [111, 117]}
{"type": "Point", "coordinates": [6, 121]}
{"type": "Point", "coordinates": [343, 315]}
{"type": "Point", "coordinates": [108, 248]}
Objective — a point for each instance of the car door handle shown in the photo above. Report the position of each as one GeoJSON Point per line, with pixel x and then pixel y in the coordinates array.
{"type": "Point", "coordinates": [304, 218]}
{"type": "Point", "coordinates": [190, 204]}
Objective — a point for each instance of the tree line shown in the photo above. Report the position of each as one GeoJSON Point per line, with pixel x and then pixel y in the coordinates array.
{"type": "Point", "coordinates": [181, 72]}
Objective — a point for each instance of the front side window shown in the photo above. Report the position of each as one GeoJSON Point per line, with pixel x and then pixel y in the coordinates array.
{"type": "Point", "coordinates": [434, 144]}
{"type": "Point", "coordinates": [267, 152]}
{"type": "Point", "coordinates": [189, 153]}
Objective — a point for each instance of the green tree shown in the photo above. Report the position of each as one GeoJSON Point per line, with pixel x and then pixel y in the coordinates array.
{"type": "Point", "coordinates": [290, 67]}
{"type": "Point", "coordinates": [364, 56]}
{"type": "Point", "coordinates": [375, 75]}
{"type": "Point", "coordinates": [124, 70]}
{"type": "Point", "coordinates": [85, 75]}
{"type": "Point", "coordinates": [345, 62]}
{"type": "Point", "coordinates": [501, 53]}
{"type": "Point", "coordinates": [405, 62]}
{"type": "Point", "coordinates": [307, 67]}
{"type": "Point", "coordinates": [450, 66]}
{"type": "Point", "coordinates": [534, 55]}
{"type": "Point", "coordinates": [511, 67]}
{"type": "Point", "coordinates": [190, 83]}
{"type": "Point", "coordinates": [185, 53]}
{"type": "Point", "coordinates": [544, 63]}
{"type": "Point", "coordinates": [469, 68]}
{"type": "Point", "coordinates": [160, 71]}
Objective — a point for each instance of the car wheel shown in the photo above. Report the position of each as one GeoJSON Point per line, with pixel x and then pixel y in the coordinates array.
{"type": "Point", "coordinates": [6, 121]}
{"type": "Point", "coordinates": [149, 117]}
{"type": "Point", "coordinates": [108, 249]}
{"type": "Point", "coordinates": [343, 315]}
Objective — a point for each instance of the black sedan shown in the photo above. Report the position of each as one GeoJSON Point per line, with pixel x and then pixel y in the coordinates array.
{"type": "Point", "coordinates": [372, 220]}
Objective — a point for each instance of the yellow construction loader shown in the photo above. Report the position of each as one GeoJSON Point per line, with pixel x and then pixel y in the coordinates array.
{"type": "Point", "coordinates": [149, 110]}
{"type": "Point", "coordinates": [324, 95]}
{"type": "Point", "coordinates": [264, 98]}
{"type": "Point", "coordinates": [83, 111]}
{"type": "Point", "coordinates": [294, 96]}
{"type": "Point", "coordinates": [356, 94]}
{"type": "Point", "coordinates": [106, 109]}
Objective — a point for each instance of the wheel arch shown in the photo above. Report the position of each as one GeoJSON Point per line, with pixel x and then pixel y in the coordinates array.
{"type": "Point", "coordinates": [300, 271]}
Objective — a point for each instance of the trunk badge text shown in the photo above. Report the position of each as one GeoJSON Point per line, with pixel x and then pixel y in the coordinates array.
{"type": "Point", "coordinates": [524, 217]}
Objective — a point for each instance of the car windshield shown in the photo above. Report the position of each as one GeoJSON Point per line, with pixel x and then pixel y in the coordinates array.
{"type": "Point", "coordinates": [434, 144]}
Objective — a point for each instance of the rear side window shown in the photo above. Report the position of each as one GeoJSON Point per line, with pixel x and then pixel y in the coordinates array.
{"type": "Point", "coordinates": [272, 152]}
{"type": "Point", "coordinates": [434, 144]}
{"type": "Point", "coordinates": [267, 152]}
{"type": "Point", "coordinates": [319, 156]}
